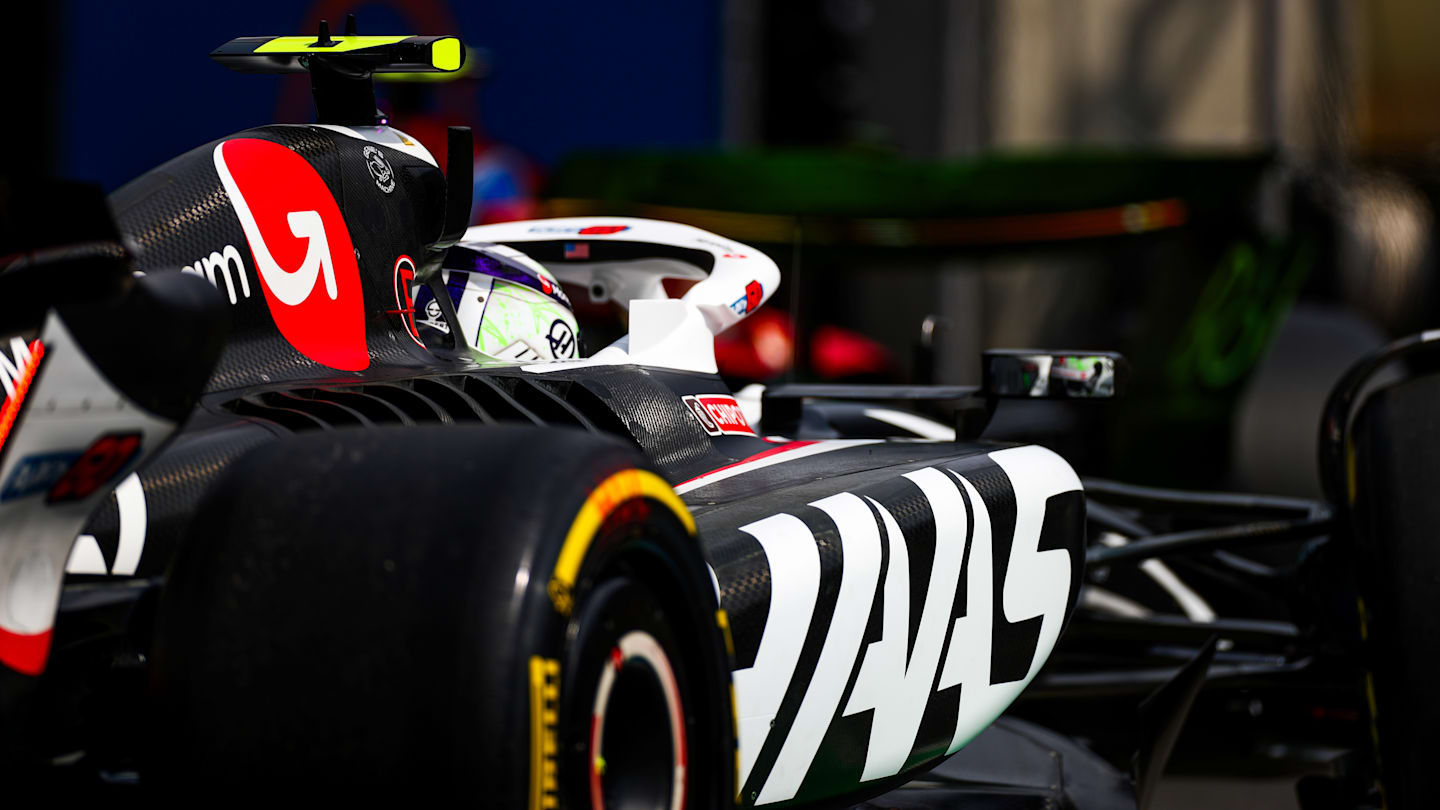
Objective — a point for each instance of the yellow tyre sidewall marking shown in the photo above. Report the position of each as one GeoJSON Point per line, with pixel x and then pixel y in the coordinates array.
{"type": "Point", "coordinates": [602, 501]}
{"type": "Point", "coordinates": [544, 715]}
{"type": "Point", "coordinates": [619, 488]}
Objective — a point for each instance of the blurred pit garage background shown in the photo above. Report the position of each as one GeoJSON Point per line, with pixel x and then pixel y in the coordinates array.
{"type": "Point", "coordinates": [1238, 194]}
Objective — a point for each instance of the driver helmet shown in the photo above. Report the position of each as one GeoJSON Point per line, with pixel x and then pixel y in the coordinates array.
{"type": "Point", "coordinates": [510, 308]}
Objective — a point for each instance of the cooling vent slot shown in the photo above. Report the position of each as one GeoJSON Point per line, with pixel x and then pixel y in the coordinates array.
{"type": "Point", "coordinates": [446, 399]}
{"type": "Point", "coordinates": [358, 406]}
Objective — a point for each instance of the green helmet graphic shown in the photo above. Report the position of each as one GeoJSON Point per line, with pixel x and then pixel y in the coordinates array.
{"type": "Point", "coordinates": [510, 308]}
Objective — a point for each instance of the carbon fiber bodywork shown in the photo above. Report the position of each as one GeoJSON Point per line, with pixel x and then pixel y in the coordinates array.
{"type": "Point", "coordinates": [172, 486]}
{"type": "Point", "coordinates": [886, 599]}
{"type": "Point", "coordinates": [179, 214]}
{"type": "Point", "coordinates": [905, 487]}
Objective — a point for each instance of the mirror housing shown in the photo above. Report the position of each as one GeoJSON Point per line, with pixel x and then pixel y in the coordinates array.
{"type": "Point", "coordinates": [1045, 374]}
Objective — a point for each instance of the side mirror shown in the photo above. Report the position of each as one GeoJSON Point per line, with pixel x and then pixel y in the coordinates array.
{"type": "Point", "coordinates": [1039, 374]}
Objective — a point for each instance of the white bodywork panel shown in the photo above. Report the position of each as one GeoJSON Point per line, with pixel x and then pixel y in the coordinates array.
{"type": "Point", "coordinates": [676, 334]}
{"type": "Point", "coordinates": [70, 405]}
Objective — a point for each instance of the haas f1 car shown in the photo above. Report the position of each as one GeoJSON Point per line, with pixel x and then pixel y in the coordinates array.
{"type": "Point", "coordinates": [301, 479]}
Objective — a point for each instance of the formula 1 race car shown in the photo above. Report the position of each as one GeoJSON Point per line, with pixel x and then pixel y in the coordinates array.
{"type": "Point", "coordinates": [291, 488]}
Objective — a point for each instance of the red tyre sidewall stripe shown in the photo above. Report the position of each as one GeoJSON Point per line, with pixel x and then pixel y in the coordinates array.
{"type": "Point", "coordinates": [677, 727]}
{"type": "Point", "coordinates": [597, 798]}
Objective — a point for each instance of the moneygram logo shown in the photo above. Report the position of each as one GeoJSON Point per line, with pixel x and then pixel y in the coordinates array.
{"type": "Point", "coordinates": [301, 248]}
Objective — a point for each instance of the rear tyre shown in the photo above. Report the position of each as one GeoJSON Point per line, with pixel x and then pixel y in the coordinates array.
{"type": "Point", "coordinates": [1393, 470]}
{"type": "Point", "coordinates": [519, 612]}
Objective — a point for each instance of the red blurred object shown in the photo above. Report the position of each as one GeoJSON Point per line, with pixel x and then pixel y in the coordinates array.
{"type": "Point", "coordinates": [760, 347]}
{"type": "Point", "coordinates": [838, 353]}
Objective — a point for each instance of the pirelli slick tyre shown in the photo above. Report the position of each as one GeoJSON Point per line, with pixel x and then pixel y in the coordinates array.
{"type": "Point", "coordinates": [520, 613]}
{"type": "Point", "coordinates": [1392, 471]}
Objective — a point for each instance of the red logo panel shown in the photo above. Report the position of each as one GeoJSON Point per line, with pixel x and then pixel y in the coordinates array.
{"type": "Point", "coordinates": [107, 456]}
{"type": "Point", "coordinates": [301, 248]}
{"type": "Point", "coordinates": [753, 291]}
{"type": "Point", "coordinates": [719, 415]}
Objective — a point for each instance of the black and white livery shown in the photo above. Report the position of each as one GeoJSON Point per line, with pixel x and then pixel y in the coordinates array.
{"type": "Point", "coordinates": [678, 607]}
{"type": "Point", "coordinates": [286, 495]}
